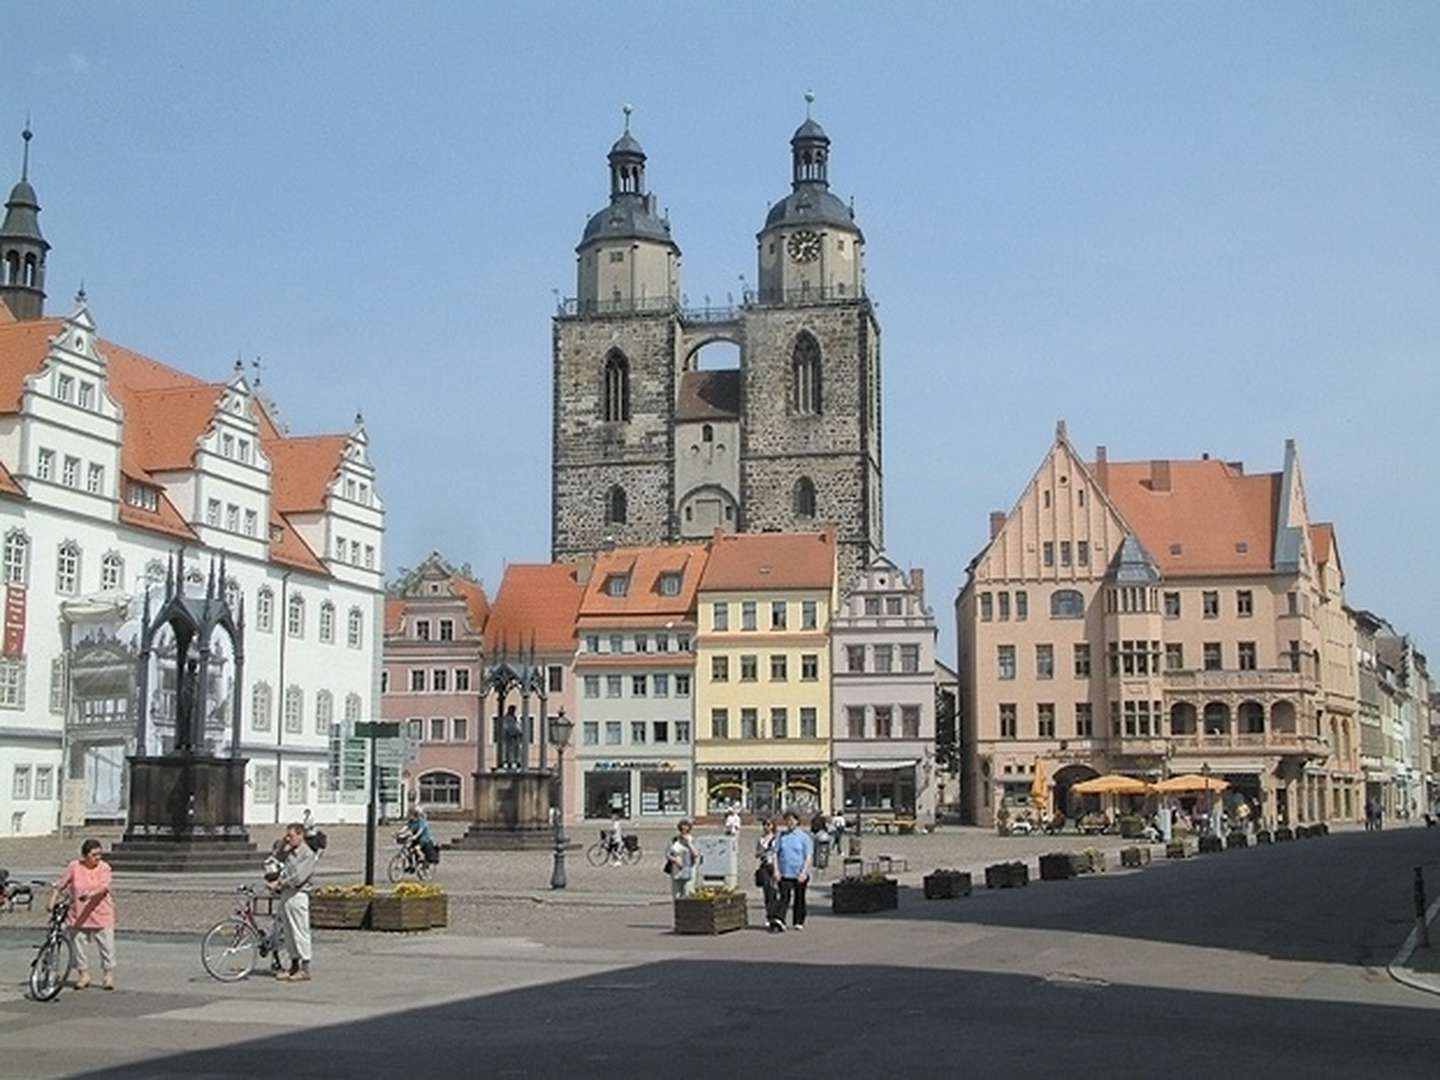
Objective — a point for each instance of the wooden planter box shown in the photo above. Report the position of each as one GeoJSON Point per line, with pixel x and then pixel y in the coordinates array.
{"type": "Point", "coordinates": [947, 885]}
{"type": "Point", "coordinates": [1209, 844]}
{"type": "Point", "coordinates": [718, 916]}
{"type": "Point", "coordinates": [439, 910]}
{"type": "Point", "coordinates": [1135, 856]}
{"type": "Point", "coordinates": [1284, 834]}
{"type": "Point", "coordinates": [1058, 866]}
{"type": "Point", "coordinates": [1262, 836]}
{"type": "Point", "coordinates": [854, 896]}
{"type": "Point", "coordinates": [339, 912]}
{"type": "Point", "coordinates": [1007, 875]}
{"type": "Point", "coordinates": [1177, 849]}
{"type": "Point", "coordinates": [1237, 839]}
{"type": "Point", "coordinates": [1089, 862]}
{"type": "Point", "coordinates": [400, 913]}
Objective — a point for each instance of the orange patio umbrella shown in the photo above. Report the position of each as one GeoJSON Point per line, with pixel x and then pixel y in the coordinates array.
{"type": "Point", "coordinates": [1112, 784]}
{"type": "Point", "coordinates": [1191, 782]}
{"type": "Point", "coordinates": [1038, 787]}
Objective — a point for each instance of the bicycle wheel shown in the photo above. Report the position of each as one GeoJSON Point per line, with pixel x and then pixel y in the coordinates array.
{"type": "Point", "coordinates": [634, 855]}
{"type": "Point", "coordinates": [395, 869]}
{"type": "Point", "coordinates": [51, 968]}
{"type": "Point", "coordinates": [424, 868]}
{"type": "Point", "coordinates": [229, 950]}
{"type": "Point", "coordinates": [597, 854]}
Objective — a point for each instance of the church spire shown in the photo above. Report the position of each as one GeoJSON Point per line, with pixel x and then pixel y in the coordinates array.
{"type": "Point", "coordinates": [22, 245]}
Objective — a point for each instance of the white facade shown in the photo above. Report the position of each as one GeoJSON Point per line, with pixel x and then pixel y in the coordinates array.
{"type": "Point", "coordinates": [95, 505]}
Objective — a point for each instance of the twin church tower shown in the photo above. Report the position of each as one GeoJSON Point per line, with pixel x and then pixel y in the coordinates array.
{"type": "Point", "coordinates": [650, 447]}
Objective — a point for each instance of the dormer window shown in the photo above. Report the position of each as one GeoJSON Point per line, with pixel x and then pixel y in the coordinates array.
{"type": "Point", "coordinates": [142, 496]}
{"type": "Point", "coordinates": [276, 532]}
{"type": "Point", "coordinates": [244, 445]}
{"type": "Point", "coordinates": [65, 388]}
{"type": "Point", "coordinates": [669, 584]}
{"type": "Point", "coordinates": [87, 395]}
{"type": "Point", "coordinates": [617, 584]}
{"type": "Point", "coordinates": [227, 446]}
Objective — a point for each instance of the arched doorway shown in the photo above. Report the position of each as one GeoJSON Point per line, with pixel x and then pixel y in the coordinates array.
{"type": "Point", "coordinates": [1066, 801]}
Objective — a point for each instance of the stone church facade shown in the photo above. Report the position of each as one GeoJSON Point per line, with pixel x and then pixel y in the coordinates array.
{"type": "Point", "coordinates": [649, 447]}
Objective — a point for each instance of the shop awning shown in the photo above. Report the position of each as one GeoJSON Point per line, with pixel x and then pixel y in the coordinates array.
{"type": "Point", "coordinates": [881, 764]}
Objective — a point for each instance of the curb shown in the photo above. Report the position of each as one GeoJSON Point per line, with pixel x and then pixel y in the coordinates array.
{"type": "Point", "coordinates": [1399, 968]}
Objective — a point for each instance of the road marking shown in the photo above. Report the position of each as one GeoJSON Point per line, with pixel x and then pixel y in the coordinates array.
{"type": "Point", "coordinates": [273, 1013]}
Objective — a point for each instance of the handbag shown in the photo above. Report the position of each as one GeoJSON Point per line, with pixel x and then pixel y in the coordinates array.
{"type": "Point", "coordinates": [762, 876]}
{"type": "Point", "coordinates": [669, 866]}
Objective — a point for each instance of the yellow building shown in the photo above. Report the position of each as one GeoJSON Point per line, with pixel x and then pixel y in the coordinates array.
{"type": "Point", "coordinates": [762, 674]}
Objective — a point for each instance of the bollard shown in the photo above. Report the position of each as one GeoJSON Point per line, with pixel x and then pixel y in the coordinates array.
{"type": "Point", "coordinates": [1420, 906]}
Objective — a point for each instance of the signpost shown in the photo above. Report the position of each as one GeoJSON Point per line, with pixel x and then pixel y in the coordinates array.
{"type": "Point", "coordinates": [374, 730]}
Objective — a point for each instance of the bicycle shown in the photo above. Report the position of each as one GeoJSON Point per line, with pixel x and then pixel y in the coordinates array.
{"type": "Point", "coordinates": [410, 859]}
{"type": "Point", "coordinates": [232, 947]}
{"type": "Point", "coordinates": [56, 955]}
{"type": "Point", "coordinates": [598, 853]}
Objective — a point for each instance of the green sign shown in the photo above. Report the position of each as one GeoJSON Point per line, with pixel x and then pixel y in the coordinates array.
{"type": "Point", "coordinates": [377, 729]}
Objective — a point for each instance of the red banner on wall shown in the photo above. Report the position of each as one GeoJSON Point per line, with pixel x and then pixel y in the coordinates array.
{"type": "Point", "coordinates": [14, 620]}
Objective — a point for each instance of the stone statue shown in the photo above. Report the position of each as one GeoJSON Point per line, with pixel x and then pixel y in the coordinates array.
{"type": "Point", "coordinates": [511, 738]}
{"type": "Point", "coordinates": [186, 729]}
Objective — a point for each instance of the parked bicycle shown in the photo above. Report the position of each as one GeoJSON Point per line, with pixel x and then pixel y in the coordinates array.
{"type": "Point", "coordinates": [409, 859]}
{"type": "Point", "coordinates": [232, 948]}
{"type": "Point", "coordinates": [599, 853]}
{"type": "Point", "coordinates": [56, 955]}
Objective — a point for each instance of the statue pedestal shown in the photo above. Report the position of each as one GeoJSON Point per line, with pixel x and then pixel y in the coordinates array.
{"type": "Point", "coordinates": [187, 814]}
{"type": "Point", "coordinates": [511, 812]}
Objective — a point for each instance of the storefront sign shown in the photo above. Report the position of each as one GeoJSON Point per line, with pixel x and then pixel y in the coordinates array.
{"type": "Point", "coordinates": [607, 765]}
{"type": "Point", "coordinates": [14, 620]}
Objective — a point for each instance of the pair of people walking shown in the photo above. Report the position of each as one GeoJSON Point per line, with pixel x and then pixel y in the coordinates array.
{"type": "Point", "coordinates": [785, 859]}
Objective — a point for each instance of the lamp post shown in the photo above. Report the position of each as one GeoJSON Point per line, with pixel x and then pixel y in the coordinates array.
{"type": "Point", "coordinates": [560, 728]}
{"type": "Point", "coordinates": [859, 810]}
{"type": "Point", "coordinates": [1209, 800]}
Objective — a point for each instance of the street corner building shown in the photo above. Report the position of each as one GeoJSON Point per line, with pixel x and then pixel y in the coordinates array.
{"type": "Point", "coordinates": [650, 445]}
{"type": "Point", "coordinates": [1154, 618]}
{"type": "Point", "coordinates": [110, 463]}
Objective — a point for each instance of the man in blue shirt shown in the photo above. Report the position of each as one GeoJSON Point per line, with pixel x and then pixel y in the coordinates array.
{"type": "Point", "coordinates": [794, 856]}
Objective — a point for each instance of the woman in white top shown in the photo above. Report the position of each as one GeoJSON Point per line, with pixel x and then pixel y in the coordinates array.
{"type": "Point", "coordinates": [765, 870]}
{"type": "Point", "coordinates": [681, 860]}
{"type": "Point", "coordinates": [732, 822]}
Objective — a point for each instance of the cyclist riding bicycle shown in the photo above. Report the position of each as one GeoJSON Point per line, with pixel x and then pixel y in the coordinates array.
{"type": "Point", "coordinates": [615, 842]}
{"type": "Point", "coordinates": [422, 844]}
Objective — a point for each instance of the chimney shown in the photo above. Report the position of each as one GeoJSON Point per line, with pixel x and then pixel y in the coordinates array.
{"type": "Point", "coordinates": [997, 522]}
{"type": "Point", "coordinates": [1102, 469]}
{"type": "Point", "coordinates": [917, 584]}
{"type": "Point", "coordinates": [1159, 475]}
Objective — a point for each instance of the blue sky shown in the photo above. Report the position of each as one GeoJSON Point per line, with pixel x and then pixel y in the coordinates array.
{"type": "Point", "coordinates": [1181, 227]}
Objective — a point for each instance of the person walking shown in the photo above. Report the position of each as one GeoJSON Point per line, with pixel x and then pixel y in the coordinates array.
{"type": "Point", "coordinates": [681, 860]}
{"type": "Point", "coordinates": [794, 857]}
{"type": "Point", "coordinates": [732, 821]}
{"type": "Point", "coordinates": [92, 913]}
{"type": "Point", "coordinates": [293, 888]}
{"type": "Point", "coordinates": [765, 873]}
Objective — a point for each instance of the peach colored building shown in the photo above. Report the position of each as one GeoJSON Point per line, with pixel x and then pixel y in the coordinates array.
{"type": "Point", "coordinates": [1155, 618]}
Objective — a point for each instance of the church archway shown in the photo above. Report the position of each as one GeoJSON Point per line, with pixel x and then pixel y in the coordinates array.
{"type": "Point", "coordinates": [719, 352]}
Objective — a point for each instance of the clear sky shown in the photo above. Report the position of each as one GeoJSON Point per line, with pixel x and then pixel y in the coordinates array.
{"type": "Point", "coordinates": [1181, 227]}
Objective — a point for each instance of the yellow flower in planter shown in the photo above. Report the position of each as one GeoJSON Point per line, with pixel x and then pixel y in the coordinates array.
{"type": "Point", "coordinates": [713, 892]}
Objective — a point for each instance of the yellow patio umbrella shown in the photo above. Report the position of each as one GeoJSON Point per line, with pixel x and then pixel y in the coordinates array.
{"type": "Point", "coordinates": [1112, 784]}
{"type": "Point", "coordinates": [1191, 782]}
{"type": "Point", "coordinates": [1038, 788]}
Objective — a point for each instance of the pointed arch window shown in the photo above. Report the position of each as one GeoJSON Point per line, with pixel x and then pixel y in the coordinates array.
{"type": "Point", "coordinates": [324, 712]}
{"type": "Point", "coordinates": [295, 617]}
{"type": "Point", "coordinates": [17, 557]}
{"type": "Point", "coordinates": [616, 507]}
{"type": "Point", "coordinates": [354, 628]}
{"type": "Point", "coordinates": [12, 268]}
{"type": "Point", "coordinates": [617, 388]}
{"type": "Point", "coordinates": [260, 707]}
{"type": "Point", "coordinates": [805, 497]}
{"type": "Point", "coordinates": [67, 569]}
{"type": "Point", "coordinates": [327, 623]}
{"type": "Point", "coordinates": [352, 708]}
{"type": "Point", "coordinates": [805, 376]}
{"type": "Point", "coordinates": [265, 610]}
{"type": "Point", "coordinates": [112, 572]}
{"type": "Point", "coordinates": [294, 710]}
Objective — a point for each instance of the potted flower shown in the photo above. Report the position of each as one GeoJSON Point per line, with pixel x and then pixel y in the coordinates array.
{"type": "Point", "coordinates": [340, 907]}
{"type": "Point", "coordinates": [862, 895]}
{"type": "Point", "coordinates": [947, 885]}
{"type": "Point", "coordinates": [711, 909]}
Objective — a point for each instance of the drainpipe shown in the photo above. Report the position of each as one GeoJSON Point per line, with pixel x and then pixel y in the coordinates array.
{"type": "Point", "coordinates": [284, 631]}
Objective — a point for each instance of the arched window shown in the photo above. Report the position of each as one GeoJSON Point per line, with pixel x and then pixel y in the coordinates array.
{"type": "Point", "coordinates": [354, 628]}
{"type": "Point", "coordinates": [617, 387]}
{"type": "Point", "coordinates": [707, 433]}
{"type": "Point", "coordinates": [265, 610]}
{"type": "Point", "coordinates": [154, 573]}
{"type": "Point", "coordinates": [1067, 604]}
{"type": "Point", "coordinates": [616, 510]}
{"type": "Point", "coordinates": [324, 712]}
{"type": "Point", "coordinates": [12, 268]}
{"type": "Point", "coordinates": [67, 569]}
{"type": "Point", "coordinates": [294, 711]}
{"type": "Point", "coordinates": [327, 622]}
{"type": "Point", "coordinates": [295, 616]}
{"type": "Point", "coordinates": [352, 708]}
{"type": "Point", "coordinates": [805, 371]}
{"type": "Point", "coordinates": [805, 497]}
{"type": "Point", "coordinates": [260, 707]}
{"type": "Point", "coordinates": [30, 265]}
{"type": "Point", "coordinates": [112, 572]}
{"type": "Point", "coordinates": [439, 789]}
{"type": "Point", "coordinates": [17, 557]}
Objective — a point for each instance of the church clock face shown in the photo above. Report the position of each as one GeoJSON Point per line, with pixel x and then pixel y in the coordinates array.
{"type": "Point", "coordinates": [804, 246]}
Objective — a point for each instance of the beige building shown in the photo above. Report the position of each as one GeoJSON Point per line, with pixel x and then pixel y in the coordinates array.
{"type": "Point", "coordinates": [1155, 618]}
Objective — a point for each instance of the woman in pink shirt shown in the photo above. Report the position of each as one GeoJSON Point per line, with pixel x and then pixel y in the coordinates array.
{"type": "Point", "coordinates": [92, 912]}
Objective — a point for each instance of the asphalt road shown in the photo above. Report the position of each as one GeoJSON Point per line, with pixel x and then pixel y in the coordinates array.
{"type": "Point", "coordinates": [1268, 959]}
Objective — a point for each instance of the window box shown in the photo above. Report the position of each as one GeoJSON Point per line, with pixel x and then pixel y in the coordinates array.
{"type": "Point", "coordinates": [1007, 875]}
{"type": "Point", "coordinates": [711, 911]}
{"type": "Point", "coordinates": [864, 895]}
{"type": "Point", "coordinates": [947, 885]}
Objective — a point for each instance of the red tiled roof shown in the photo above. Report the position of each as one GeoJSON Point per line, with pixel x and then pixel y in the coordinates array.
{"type": "Point", "coordinates": [1212, 519]}
{"type": "Point", "coordinates": [477, 605]}
{"type": "Point", "coordinates": [645, 566]}
{"type": "Point", "coordinates": [535, 599]}
{"type": "Point", "coordinates": [1322, 539]}
{"type": "Point", "coordinates": [301, 469]}
{"type": "Point", "coordinates": [8, 483]}
{"type": "Point", "coordinates": [394, 612]}
{"type": "Point", "coordinates": [291, 549]}
{"type": "Point", "coordinates": [165, 519]}
{"type": "Point", "coordinates": [708, 395]}
{"type": "Point", "coordinates": [163, 426]}
{"type": "Point", "coordinates": [770, 561]}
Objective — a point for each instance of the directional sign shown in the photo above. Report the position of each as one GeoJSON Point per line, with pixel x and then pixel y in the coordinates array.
{"type": "Point", "coordinates": [377, 729]}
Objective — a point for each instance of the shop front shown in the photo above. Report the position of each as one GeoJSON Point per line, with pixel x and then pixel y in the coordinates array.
{"type": "Point", "coordinates": [880, 787]}
{"type": "Point", "coordinates": [658, 789]}
{"type": "Point", "coordinates": [764, 791]}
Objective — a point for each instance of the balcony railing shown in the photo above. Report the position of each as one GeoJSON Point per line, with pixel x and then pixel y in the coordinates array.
{"type": "Point", "coordinates": [1273, 742]}
{"type": "Point", "coordinates": [1273, 680]}
{"type": "Point", "coordinates": [573, 307]}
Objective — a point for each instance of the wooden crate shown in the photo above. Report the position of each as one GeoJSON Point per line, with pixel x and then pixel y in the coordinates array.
{"type": "Point", "coordinates": [439, 910]}
{"type": "Point", "coordinates": [400, 913]}
{"type": "Point", "coordinates": [718, 916]}
{"type": "Point", "coordinates": [857, 896]}
{"type": "Point", "coordinates": [339, 912]}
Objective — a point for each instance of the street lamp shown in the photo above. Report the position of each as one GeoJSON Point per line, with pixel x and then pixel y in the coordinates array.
{"type": "Point", "coordinates": [859, 810]}
{"type": "Point", "coordinates": [560, 728]}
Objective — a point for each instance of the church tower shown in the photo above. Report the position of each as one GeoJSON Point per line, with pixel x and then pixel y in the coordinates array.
{"type": "Point", "coordinates": [615, 372]}
{"type": "Point", "coordinates": [22, 246]}
{"type": "Point", "coordinates": [811, 445]}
